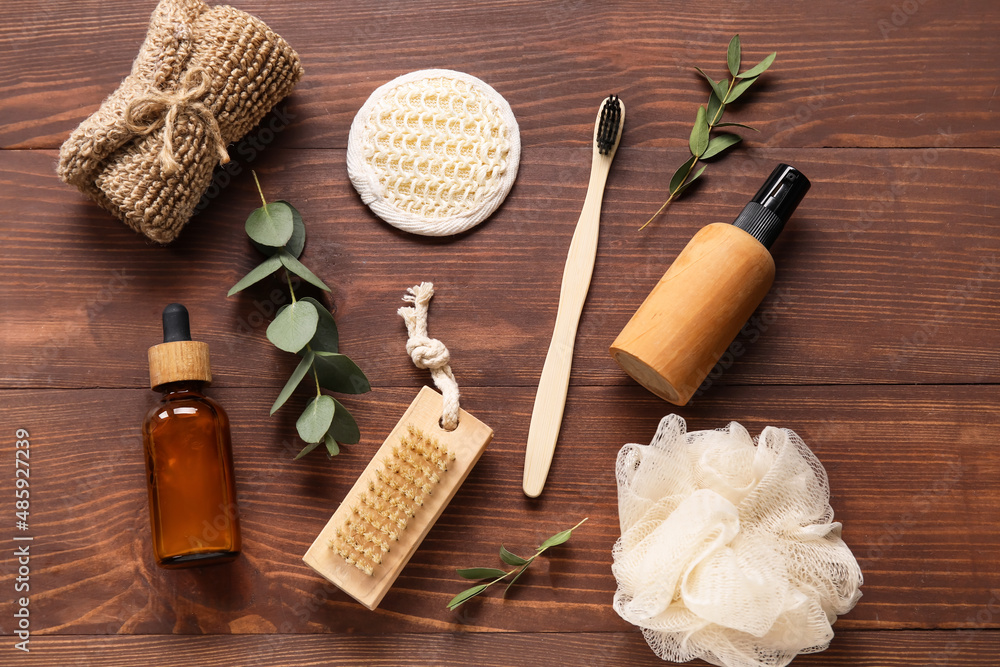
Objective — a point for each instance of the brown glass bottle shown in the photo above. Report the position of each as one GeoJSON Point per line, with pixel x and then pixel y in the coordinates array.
{"type": "Point", "coordinates": [189, 459]}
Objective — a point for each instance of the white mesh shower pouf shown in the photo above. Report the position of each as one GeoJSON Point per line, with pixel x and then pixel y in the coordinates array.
{"type": "Point", "coordinates": [729, 551]}
{"type": "Point", "coordinates": [434, 152]}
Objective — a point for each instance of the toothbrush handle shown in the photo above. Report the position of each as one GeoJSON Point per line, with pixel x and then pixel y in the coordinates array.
{"type": "Point", "coordinates": [550, 399]}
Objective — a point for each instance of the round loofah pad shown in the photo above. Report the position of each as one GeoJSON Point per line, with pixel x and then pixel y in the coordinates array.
{"type": "Point", "coordinates": [434, 152]}
{"type": "Point", "coordinates": [729, 551]}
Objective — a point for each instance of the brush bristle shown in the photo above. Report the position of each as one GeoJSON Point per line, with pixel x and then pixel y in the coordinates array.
{"type": "Point", "coordinates": [402, 482]}
{"type": "Point", "coordinates": [607, 128]}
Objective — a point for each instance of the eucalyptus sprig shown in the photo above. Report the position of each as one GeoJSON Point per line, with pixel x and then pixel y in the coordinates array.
{"type": "Point", "coordinates": [701, 143]}
{"type": "Point", "coordinates": [497, 575]}
{"type": "Point", "coordinates": [304, 327]}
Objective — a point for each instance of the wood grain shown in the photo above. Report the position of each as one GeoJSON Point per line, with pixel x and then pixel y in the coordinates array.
{"type": "Point", "coordinates": [877, 344]}
{"type": "Point", "coordinates": [844, 77]}
{"type": "Point", "coordinates": [850, 648]}
{"type": "Point", "coordinates": [887, 273]}
{"type": "Point", "coordinates": [912, 475]}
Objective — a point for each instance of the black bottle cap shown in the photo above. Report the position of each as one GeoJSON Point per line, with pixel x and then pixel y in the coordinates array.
{"type": "Point", "coordinates": [766, 214]}
{"type": "Point", "coordinates": [176, 325]}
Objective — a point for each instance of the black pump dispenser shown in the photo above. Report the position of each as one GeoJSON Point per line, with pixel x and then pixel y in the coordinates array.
{"type": "Point", "coordinates": [766, 214]}
{"type": "Point", "coordinates": [176, 324]}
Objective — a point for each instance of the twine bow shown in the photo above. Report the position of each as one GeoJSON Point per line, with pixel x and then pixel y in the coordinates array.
{"type": "Point", "coordinates": [158, 108]}
{"type": "Point", "coordinates": [430, 353]}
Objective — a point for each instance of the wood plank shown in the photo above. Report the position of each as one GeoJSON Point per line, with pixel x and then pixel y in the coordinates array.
{"type": "Point", "coordinates": [863, 77]}
{"type": "Point", "coordinates": [855, 648]}
{"type": "Point", "coordinates": [888, 273]}
{"type": "Point", "coordinates": [877, 345]}
{"type": "Point", "coordinates": [911, 469]}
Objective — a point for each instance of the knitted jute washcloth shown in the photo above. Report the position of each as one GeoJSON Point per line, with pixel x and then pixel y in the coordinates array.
{"type": "Point", "coordinates": [203, 78]}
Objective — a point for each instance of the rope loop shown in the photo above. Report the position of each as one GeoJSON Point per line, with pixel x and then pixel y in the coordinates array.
{"type": "Point", "coordinates": [430, 353]}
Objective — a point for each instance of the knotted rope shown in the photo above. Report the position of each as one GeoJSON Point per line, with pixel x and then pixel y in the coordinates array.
{"type": "Point", "coordinates": [430, 353]}
{"type": "Point", "coordinates": [157, 108]}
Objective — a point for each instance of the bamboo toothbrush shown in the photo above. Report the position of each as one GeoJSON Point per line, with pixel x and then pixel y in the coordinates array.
{"type": "Point", "coordinates": [550, 400]}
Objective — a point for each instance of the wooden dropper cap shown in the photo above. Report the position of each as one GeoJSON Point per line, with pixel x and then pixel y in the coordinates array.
{"type": "Point", "coordinates": [178, 358]}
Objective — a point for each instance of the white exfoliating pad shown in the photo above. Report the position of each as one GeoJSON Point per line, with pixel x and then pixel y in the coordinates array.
{"type": "Point", "coordinates": [729, 551]}
{"type": "Point", "coordinates": [434, 152]}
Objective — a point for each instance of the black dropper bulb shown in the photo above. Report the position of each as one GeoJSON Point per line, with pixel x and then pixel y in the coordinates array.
{"type": "Point", "coordinates": [176, 325]}
{"type": "Point", "coordinates": [766, 214]}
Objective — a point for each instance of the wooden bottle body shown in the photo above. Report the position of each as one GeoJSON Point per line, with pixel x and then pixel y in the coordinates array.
{"type": "Point", "coordinates": [692, 315]}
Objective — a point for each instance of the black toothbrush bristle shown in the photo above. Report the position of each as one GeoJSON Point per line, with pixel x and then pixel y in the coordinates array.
{"type": "Point", "coordinates": [607, 127]}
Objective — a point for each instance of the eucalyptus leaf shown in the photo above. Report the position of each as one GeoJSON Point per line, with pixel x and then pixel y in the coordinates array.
{"type": "Point", "coordinates": [332, 448]}
{"type": "Point", "coordinates": [699, 133]}
{"type": "Point", "coordinates": [294, 326]}
{"type": "Point", "coordinates": [555, 540]}
{"type": "Point", "coordinates": [737, 125]}
{"type": "Point", "coordinates": [720, 88]}
{"type": "Point", "coordinates": [293, 381]}
{"type": "Point", "coordinates": [759, 68]}
{"type": "Point", "coordinates": [741, 87]}
{"type": "Point", "coordinates": [344, 428]}
{"type": "Point", "coordinates": [305, 450]}
{"type": "Point", "coordinates": [295, 243]}
{"type": "Point", "coordinates": [326, 338]}
{"type": "Point", "coordinates": [258, 273]}
{"type": "Point", "coordinates": [315, 420]}
{"type": "Point", "coordinates": [715, 109]}
{"type": "Point", "coordinates": [338, 373]}
{"type": "Point", "coordinates": [466, 595]}
{"type": "Point", "coordinates": [691, 180]}
{"type": "Point", "coordinates": [271, 224]}
{"type": "Point", "coordinates": [733, 55]}
{"type": "Point", "coordinates": [511, 558]}
{"type": "Point", "coordinates": [678, 178]}
{"type": "Point", "coordinates": [299, 269]}
{"type": "Point", "coordinates": [720, 143]}
{"type": "Point", "coordinates": [481, 573]}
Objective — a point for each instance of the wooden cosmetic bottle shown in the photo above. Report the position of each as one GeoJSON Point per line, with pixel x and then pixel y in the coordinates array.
{"type": "Point", "coordinates": [692, 315]}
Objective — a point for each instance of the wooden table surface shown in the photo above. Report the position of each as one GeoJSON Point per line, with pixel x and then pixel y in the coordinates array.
{"type": "Point", "coordinates": [878, 344]}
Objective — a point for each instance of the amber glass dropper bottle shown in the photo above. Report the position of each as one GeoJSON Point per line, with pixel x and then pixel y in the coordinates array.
{"type": "Point", "coordinates": [189, 457]}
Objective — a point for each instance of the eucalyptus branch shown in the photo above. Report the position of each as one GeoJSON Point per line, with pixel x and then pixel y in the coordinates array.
{"type": "Point", "coordinates": [702, 145]}
{"type": "Point", "coordinates": [319, 392]}
{"type": "Point", "coordinates": [260, 191]}
{"type": "Point", "coordinates": [291, 288]}
{"type": "Point", "coordinates": [497, 575]}
{"type": "Point", "coordinates": [304, 327]}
